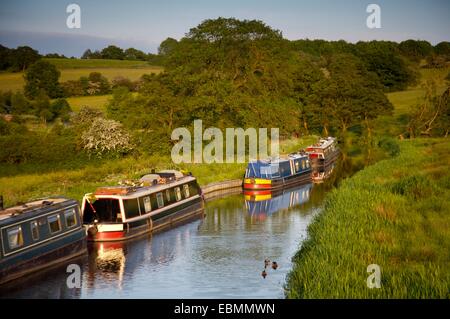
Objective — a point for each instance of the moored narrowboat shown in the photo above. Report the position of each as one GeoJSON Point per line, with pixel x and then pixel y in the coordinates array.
{"type": "Point", "coordinates": [155, 201]}
{"type": "Point", "coordinates": [39, 234]}
{"type": "Point", "coordinates": [323, 153]}
{"type": "Point", "coordinates": [263, 176]}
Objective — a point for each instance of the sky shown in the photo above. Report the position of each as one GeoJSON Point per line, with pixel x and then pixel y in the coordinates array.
{"type": "Point", "coordinates": [144, 24]}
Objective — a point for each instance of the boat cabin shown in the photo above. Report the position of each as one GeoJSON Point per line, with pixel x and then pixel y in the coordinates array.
{"type": "Point", "coordinates": [39, 233]}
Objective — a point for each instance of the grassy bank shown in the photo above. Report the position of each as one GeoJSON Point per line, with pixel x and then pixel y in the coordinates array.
{"type": "Point", "coordinates": [394, 214]}
{"type": "Point", "coordinates": [26, 182]}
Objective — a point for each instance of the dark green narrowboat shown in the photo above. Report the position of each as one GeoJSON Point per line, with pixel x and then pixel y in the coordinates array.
{"type": "Point", "coordinates": [39, 234]}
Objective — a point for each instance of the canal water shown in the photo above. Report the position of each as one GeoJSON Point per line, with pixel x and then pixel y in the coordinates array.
{"type": "Point", "coordinates": [220, 255]}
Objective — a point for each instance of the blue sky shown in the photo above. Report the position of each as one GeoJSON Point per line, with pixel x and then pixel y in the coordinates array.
{"type": "Point", "coordinates": [144, 24]}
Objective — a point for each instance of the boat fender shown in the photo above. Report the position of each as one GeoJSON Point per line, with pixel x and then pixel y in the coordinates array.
{"type": "Point", "coordinates": [92, 231]}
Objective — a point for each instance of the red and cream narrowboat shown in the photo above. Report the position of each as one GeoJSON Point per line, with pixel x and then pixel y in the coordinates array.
{"type": "Point", "coordinates": [156, 201]}
{"type": "Point", "coordinates": [324, 153]}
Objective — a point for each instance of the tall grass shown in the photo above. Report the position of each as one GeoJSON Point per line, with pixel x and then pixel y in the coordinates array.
{"type": "Point", "coordinates": [394, 214]}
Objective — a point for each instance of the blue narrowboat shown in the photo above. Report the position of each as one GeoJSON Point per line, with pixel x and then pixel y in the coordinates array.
{"type": "Point", "coordinates": [38, 235]}
{"type": "Point", "coordinates": [154, 202]}
{"type": "Point", "coordinates": [264, 176]}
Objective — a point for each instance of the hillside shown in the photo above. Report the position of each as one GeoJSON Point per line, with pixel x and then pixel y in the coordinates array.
{"type": "Point", "coordinates": [73, 69]}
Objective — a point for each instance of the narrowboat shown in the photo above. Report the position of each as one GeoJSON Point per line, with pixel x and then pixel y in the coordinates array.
{"type": "Point", "coordinates": [39, 234]}
{"type": "Point", "coordinates": [155, 201]}
{"type": "Point", "coordinates": [323, 153]}
{"type": "Point", "coordinates": [264, 176]}
{"type": "Point", "coordinates": [320, 174]}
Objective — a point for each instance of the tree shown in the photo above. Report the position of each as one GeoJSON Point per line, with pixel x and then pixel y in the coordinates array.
{"type": "Point", "coordinates": [41, 107]}
{"type": "Point", "coordinates": [22, 57]}
{"type": "Point", "coordinates": [112, 52]}
{"type": "Point", "coordinates": [87, 54]}
{"type": "Point", "coordinates": [415, 49]}
{"type": "Point", "coordinates": [167, 46]}
{"type": "Point", "coordinates": [42, 76]}
{"type": "Point", "coordinates": [442, 48]}
{"type": "Point", "coordinates": [60, 108]}
{"type": "Point", "coordinates": [19, 104]}
{"type": "Point", "coordinates": [134, 54]}
{"type": "Point", "coordinates": [97, 84]}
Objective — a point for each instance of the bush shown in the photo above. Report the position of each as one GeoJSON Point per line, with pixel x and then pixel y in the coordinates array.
{"type": "Point", "coordinates": [106, 137]}
{"type": "Point", "coordinates": [416, 186]}
{"type": "Point", "coordinates": [390, 146]}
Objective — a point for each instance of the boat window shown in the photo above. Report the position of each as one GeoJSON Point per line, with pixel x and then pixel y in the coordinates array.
{"type": "Point", "coordinates": [147, 204]}
{"type": "Point", "coordinates": [54, 223]}
{"type": "Point", "coordinates": [102, 209]}
{"type": "Point", "coordinates": [15, 237]}
{"type": "Point", "coordinates": [131, 207]}
{"type": "Point", "coordinates": [303, 165]}
{"type": "Point", "coordinates": [285, 169]}
{"type": "Point", "coordinates": [177, 193]}
{"type": "Point", "coordinates": [160, 200]}
{"type": "Point", "coordinates": [168, 195]}
{"type": "Point", "coordinates": [297, 166]}
{"type": "Point", "coordinates": [186, 190]}
{"type": "Point", "coordinates": [71, 219]}
{"type": "Point", "coordinates": [34, 230]}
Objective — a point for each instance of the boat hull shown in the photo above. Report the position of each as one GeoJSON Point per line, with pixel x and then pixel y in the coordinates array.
{"type": "Point", "coordinates": [148, 225]}
{"type": "Point", "coordinates": [265, 186]}
{"type": "Point", "coordinates": [323, 163]}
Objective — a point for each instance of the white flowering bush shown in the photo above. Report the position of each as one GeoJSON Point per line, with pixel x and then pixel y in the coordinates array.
{"type": "Point", "coordinates": [106, 137]}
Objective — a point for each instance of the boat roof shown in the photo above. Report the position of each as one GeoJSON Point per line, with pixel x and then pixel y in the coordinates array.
{"type": "Point", "coordinates": [280, 159]}
{"type": "Point", "coordinates": [34, 208]}
{"type": "Point", "coordinates": [141, 189]}
{"type": "Point", "coordinates": [323, 143]}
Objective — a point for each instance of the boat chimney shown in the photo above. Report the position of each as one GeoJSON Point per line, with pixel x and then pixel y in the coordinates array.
{"type": "Point", "coordinates": [1, 202]}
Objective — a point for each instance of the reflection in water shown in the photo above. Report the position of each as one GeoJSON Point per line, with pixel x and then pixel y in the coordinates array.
{"type": "Point", "coordinates": [262, 205]}
{"type": "Point", "coordinates": [218, 256]}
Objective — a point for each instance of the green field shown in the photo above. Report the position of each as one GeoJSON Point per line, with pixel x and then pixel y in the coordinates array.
{"type": "Point", "coordinates": [393, 214]}
{"type": "Point", "coordinates": [62, 64]}
{"type": "Point", "coordinates": [96, 101]}
{"type": "Point", "coordinates": [404, 101]}
{"type": "Point", "coordinates": [73, 69]}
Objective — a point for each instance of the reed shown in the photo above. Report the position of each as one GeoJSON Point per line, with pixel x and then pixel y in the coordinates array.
{"type": "Point", "coordinates": [394, 214]}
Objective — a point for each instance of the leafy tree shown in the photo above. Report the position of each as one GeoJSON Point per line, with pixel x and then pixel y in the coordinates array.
{"type": "Point", "coordinates": [22, 57]}
{"type": "Point", "coordinates": [134, 54]}
{"type": "Point", "coordinates": [97, 84]}
{"type": "Point", "coordinates": [442, 48]}
{"type": "Point", "coordinates": [167, 46]}
{"type": "Point", "coordinates": [113, 52]}
{"type": "Point", "coordinates": [42, 76]}
{"type": "Point", "coordinates": [415, 49]}
{"type": "Point", "coordinates": [19, 104]}
{"type": "Point", "coordinates": [61, 108]}
{"type": "Point", "coordinates": [87, 54]}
